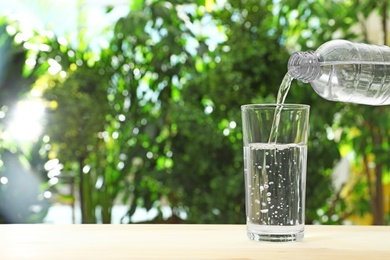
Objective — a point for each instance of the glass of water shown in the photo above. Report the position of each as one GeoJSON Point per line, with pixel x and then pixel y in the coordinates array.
{"type": "Point", "coordinates": [275, 158]}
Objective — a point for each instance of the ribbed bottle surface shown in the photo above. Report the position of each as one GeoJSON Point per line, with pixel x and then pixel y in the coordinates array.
{"type": "Point", "coordinates": [346, 71]}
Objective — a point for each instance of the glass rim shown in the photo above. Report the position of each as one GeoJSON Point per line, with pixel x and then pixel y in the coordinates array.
{"type": "Point", "coordinates": [274, 105]}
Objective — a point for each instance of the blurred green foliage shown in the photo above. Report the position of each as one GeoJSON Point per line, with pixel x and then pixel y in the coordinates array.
{"type": "Point", "coordinates": [155, 120]}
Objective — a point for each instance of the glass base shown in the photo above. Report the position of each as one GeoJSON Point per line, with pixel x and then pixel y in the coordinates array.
{"type": "Point", "coordinates": [276, 237]}
{"type": "Point", "coordinates": [275, 233]}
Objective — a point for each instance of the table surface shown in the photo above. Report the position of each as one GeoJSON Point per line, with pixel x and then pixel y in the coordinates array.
{"type": "Point", "coordinates": [56, 242]}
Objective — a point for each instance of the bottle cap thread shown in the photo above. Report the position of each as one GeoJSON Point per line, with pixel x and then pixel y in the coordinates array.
{"type": "Point", "coordinates": [304, 66]}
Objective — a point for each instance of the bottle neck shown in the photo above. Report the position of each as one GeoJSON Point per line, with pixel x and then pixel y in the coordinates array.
{"type": "Point", "coordinates": [304, 66]}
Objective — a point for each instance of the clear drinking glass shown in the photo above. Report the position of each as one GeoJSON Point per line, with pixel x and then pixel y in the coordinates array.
{"type": "Point", "coordinates": [275, 158]}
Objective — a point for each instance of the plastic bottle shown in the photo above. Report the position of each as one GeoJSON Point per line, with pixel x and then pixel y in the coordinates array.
{"type": "Point", "coordinates": [344, 71]}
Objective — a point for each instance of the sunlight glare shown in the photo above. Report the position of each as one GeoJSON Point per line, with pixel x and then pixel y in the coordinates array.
{"type": "Point", "coordinates": [26, 122]}
{"type": "Point", "coordinates": [47, 194]}
{"type": "Point", "coordinates": [55, 67]}
{"type": "Point", "coordinates": [3, 180]}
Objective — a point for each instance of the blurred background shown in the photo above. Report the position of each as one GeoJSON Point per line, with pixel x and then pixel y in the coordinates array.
{"type": "Point", "coordinates": [128, 111]}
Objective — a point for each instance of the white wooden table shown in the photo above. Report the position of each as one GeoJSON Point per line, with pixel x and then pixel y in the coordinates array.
{"type": "Point", "coordinates": [71, 242]}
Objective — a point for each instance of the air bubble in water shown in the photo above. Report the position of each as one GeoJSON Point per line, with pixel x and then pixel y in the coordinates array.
{"type": "Point", "coordinates": [268, 193]}
{"type": "Point", "coordinates": [264, 210]}
{"type": "Point", "coordinates": [257, 201]}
